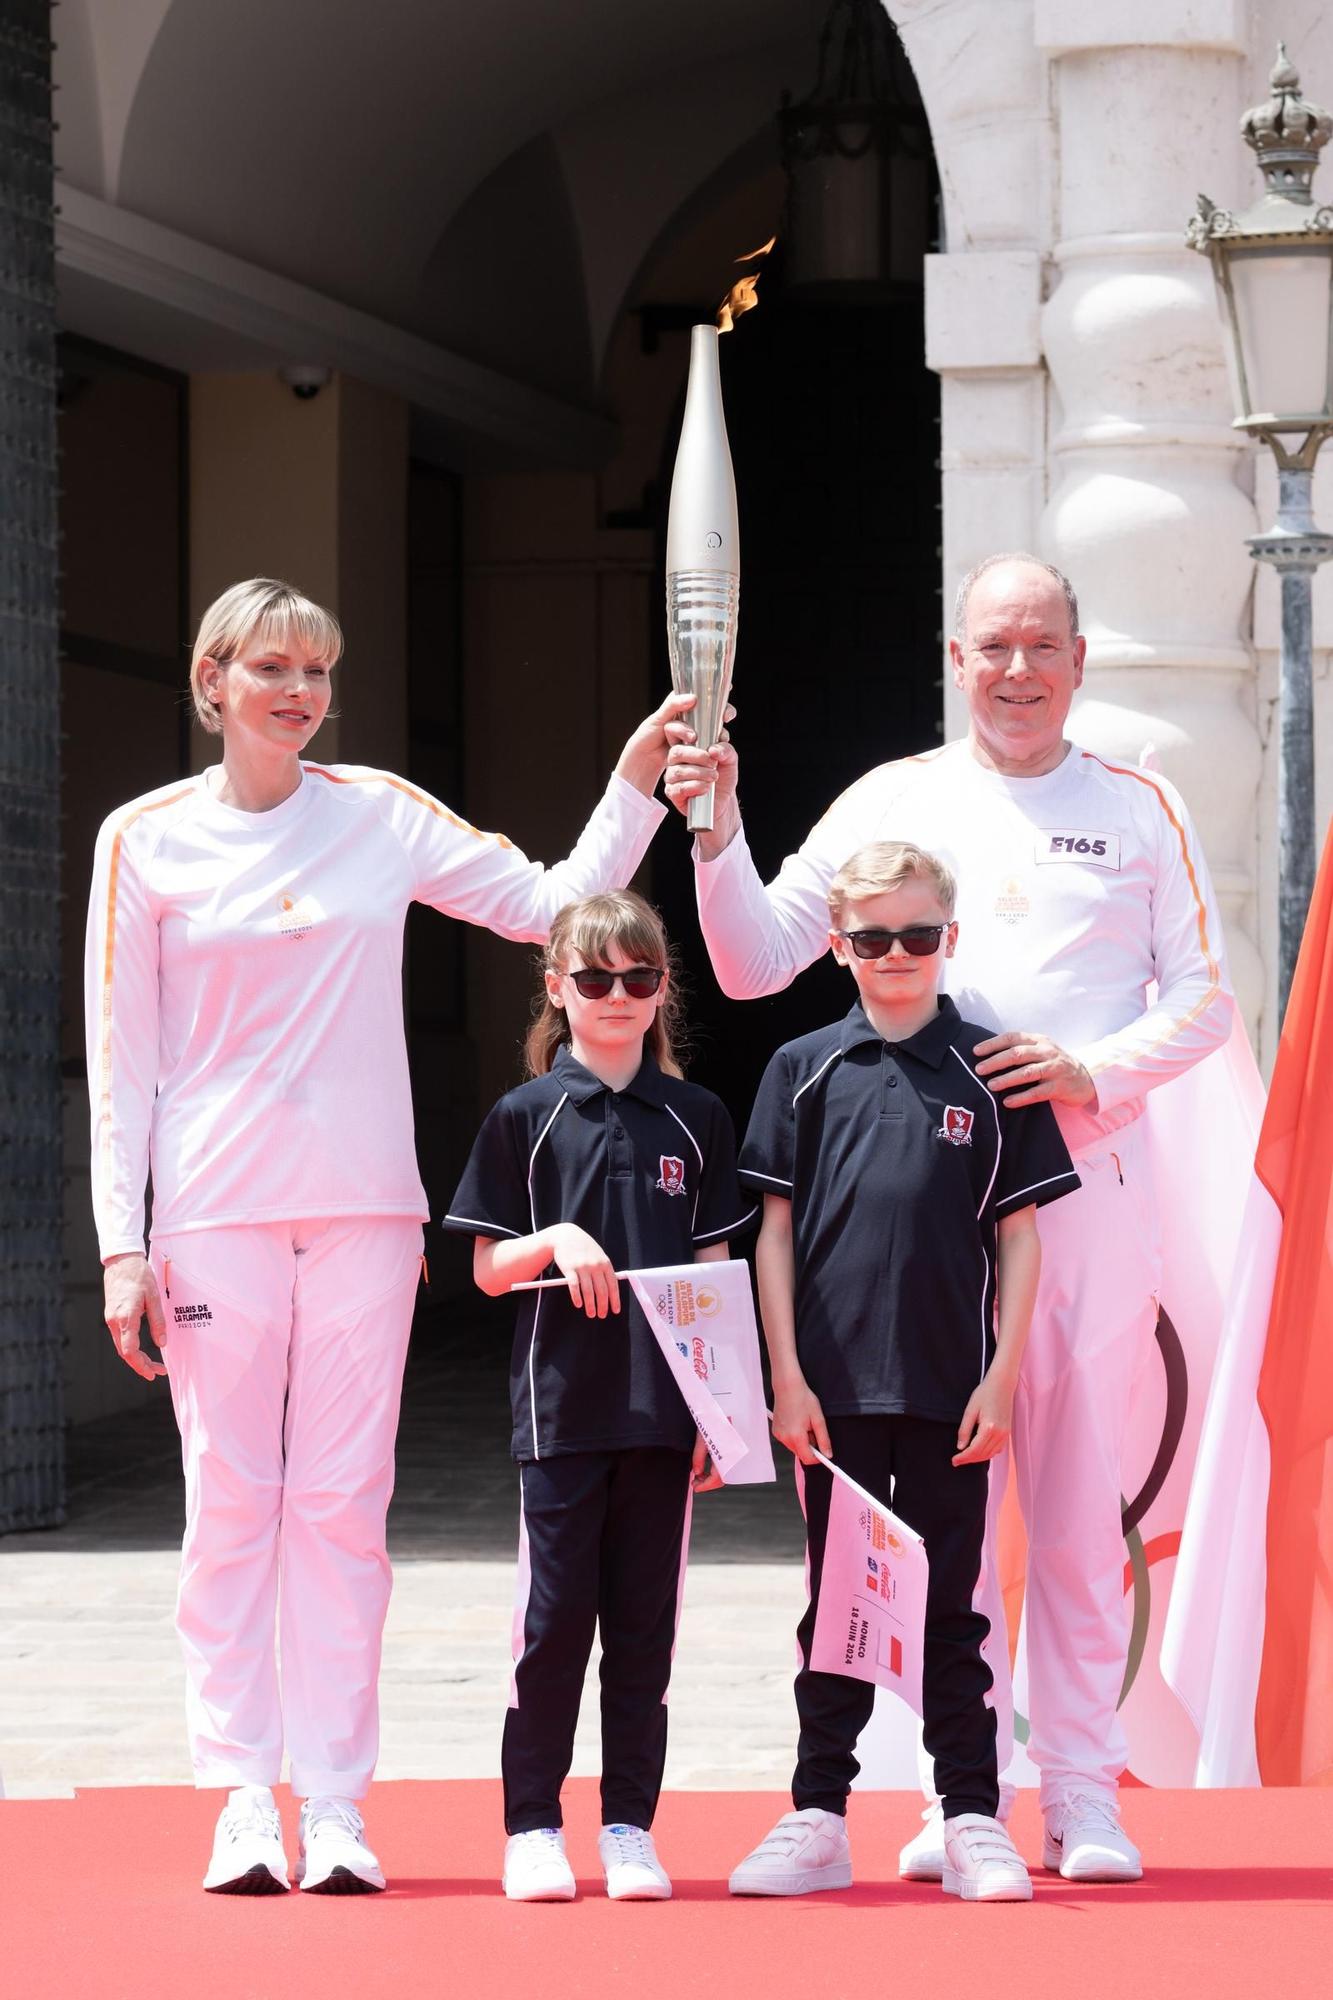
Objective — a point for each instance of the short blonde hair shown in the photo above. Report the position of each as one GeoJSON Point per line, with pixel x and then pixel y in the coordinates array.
{"type": "Point", "coordinates": [886, 865]}
{"type": "Point", "coordinates": [264, 609]}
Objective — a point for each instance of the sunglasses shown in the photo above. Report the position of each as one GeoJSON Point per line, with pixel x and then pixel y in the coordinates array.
{"type": "Point", "coordinates": [639, 981]}
{"type": "Point", "coordinates": [918, 941]}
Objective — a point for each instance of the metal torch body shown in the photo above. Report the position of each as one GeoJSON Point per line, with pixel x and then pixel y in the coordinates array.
{"type": "Point", "coordinates": [703, 569]}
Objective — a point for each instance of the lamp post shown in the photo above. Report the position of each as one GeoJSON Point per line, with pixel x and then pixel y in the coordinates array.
{"type": "Point", "coordinates": [1274, 271]}
{"type": "Point", "coordinates": [856, 152]}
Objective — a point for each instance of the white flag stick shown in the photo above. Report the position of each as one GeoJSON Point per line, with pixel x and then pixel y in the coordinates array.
{"type": "Point", "coordinates": [541, 1284]}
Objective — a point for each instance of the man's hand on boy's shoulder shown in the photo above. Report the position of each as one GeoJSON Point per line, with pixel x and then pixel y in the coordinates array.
{"type": "Point", "coordinates": [1047, 1072]}
{"type": "Point", "coordinates": [797, 1419]}
{"type": "Point", "coordinates": [987, 1420]}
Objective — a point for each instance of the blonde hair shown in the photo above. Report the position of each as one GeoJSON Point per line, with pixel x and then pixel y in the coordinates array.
{"type": "Point", "coordinates": [264, 609]}
{"type": "Point", "coordinates": [886, 865]}
{"type": "Point", "coordinates": [590, 928]}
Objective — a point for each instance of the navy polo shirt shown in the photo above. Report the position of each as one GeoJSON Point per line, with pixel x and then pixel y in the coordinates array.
{"type": "Point", "coordinates": [650, 1173]}
{"type": "Point", "coordinates": [898, 1162]}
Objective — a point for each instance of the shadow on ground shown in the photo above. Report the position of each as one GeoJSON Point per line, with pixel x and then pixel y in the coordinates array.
{"type": "Point", "coordinates": [457, 1492]}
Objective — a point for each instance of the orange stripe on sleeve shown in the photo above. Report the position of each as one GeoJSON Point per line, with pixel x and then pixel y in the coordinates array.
{"type": "Point", "coordinates": [411, 792]}
{"type": "Point", "coordinates": [1214, 969]}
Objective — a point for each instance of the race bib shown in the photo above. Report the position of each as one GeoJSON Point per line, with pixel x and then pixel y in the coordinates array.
{"type": "Point", "coordinates": [1064, 843]}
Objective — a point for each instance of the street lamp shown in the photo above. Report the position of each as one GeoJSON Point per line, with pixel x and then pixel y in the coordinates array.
{"type": "Point", "coordinates": [856, 152]}
{"type": "Point", "coordinates": [1274, 272]}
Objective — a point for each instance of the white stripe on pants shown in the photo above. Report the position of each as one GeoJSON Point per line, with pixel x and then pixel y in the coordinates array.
{"type": "Point", "coordinates": [285, 1351]}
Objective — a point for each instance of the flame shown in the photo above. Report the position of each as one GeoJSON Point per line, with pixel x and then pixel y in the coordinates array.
{"type": "Point", "coordinates": [742, 296]}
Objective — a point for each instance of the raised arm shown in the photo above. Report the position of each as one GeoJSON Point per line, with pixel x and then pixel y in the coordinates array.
{"type": "Point", "coordinates": [484, 879]}
{"type": "Point", "coordinates": [760, 937]}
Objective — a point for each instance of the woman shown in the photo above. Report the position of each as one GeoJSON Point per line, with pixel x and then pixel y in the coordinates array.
{"type": "Point", "coordinates": [245, 1035]}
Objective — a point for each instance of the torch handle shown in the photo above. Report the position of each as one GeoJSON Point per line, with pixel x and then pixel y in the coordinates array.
{"type": "Point", "coordinates": [699, 811]}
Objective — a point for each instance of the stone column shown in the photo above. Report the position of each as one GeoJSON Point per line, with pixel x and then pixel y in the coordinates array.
{"type": "Point", "coordinates": [984, 87]}
{"type": "Point", "coordinates": [1146, 511]}
{"type": "Point", "coordinates": [31, 1413]}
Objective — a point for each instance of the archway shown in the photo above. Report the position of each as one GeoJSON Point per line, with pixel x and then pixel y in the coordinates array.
{"type": "Point", "coordinates": [833, 419]}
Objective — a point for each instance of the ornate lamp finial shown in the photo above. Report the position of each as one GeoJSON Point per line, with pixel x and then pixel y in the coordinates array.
{"type": "Point", "coordinates": [1287, 133]}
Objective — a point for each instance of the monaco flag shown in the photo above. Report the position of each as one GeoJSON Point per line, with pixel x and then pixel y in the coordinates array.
{"type": "Point", "coordinates": [1249, 1640]}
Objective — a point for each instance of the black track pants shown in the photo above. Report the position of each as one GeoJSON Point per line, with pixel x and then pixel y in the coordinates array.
{"type": "Point", "coordinates": [602, 1543]}
{"type": "Point", "coordinates": [904, 1461]}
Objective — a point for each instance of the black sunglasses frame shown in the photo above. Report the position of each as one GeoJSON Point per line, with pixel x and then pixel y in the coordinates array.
{"type": "Point", "coordinates": [649, 977]}
{"type": "Point", "coordinates": [910, 939]}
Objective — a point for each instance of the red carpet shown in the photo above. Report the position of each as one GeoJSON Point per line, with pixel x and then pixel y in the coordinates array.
{"type": "Point", "coordinates": [101, 1901]}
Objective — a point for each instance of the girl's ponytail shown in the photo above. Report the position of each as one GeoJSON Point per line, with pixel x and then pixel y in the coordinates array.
{"type": "Point", "coordinates": [590, 928]}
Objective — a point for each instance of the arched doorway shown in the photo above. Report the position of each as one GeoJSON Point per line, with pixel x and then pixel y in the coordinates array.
{"type": "Point", "coordinates": [833, 419]}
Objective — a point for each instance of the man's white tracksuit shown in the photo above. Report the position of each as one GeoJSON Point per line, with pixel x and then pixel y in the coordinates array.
{"type": "Point", "coordinates": [245, 1040]}
{"type": "Point", "coordinates": [1080, 892]}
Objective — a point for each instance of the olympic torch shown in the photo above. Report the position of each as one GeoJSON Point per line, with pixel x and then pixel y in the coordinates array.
{"type": "Point", "coordinates": [703, 560]}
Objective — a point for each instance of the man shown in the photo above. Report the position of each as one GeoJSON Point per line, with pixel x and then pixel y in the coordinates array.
{"type": "Point", "coordinates": [1081, 886]}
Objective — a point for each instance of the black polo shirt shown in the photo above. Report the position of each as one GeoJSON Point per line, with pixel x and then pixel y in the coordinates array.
{"type": "Point", "coordinates": [898, 1162]}
{"type": "Point", "coordinates": [650, 1173]}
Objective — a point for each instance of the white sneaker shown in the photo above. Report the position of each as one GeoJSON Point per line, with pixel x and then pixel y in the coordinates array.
{"type": "Point", "coordinates": [805, 1850]}
{"type": "Point", "coordinates": [334, 1859]}
{"type": "Point", "coordinates": [630, 1864]}
{"type": "Point", "coordinates": [536, 1869]}
{"type": "Point", "coordinates": [247, 1855]}
{"type": "Point", "coordinates": [982, 1865]}
{"type": "Point", "coordinates": [923, 1858]}
{"type": "Point", "coordinates": [1085, 1842]}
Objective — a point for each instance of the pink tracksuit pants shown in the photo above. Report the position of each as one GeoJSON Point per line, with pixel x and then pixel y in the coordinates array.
{"type": "Point", "coordinates": [1091, 1334]}
{"type": "Point", "coordinates": [285, 1351]}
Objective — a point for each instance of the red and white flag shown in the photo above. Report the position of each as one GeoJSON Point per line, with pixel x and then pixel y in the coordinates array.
{"type": "Point", "coordinates": [1249, 1640]}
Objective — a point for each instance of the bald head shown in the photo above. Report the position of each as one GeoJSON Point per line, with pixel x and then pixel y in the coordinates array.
{"type": "Point", "coordinates": [1023, 560]}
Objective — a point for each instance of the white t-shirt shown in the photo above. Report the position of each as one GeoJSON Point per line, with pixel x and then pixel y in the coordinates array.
{"type": "Point", "coordinates": [244, 988]}
{"type": "Point", "coordinates": [1077, 892]}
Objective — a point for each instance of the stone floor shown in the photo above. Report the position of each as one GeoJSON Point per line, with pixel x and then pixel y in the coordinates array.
{"type": "Point", "coordinates": [90, 1678]}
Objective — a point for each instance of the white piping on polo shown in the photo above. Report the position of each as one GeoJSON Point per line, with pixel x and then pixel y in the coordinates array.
{"type": "Point", "coordinates": [818, 1073]}
{"type": "Point", "coordinates": [537, 1311]}
{"type": "Point", "coordinates": [727, 1228]}
{"type": "Point", "coordinates": [487, 1228]}
{"type": "Point", "coordinates": [999, 1144]}
{"type": "Point", "coordinates": [694, 1212]}
{"type": "Point", "coordinates": [1009, 1199]}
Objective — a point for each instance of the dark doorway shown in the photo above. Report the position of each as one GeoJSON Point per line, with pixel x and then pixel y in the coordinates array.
{"type": "Point", "coordinates": [833, 419]}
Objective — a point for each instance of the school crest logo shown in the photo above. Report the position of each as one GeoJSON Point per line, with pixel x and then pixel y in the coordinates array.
{"type": "Point", "coordinates": [671, 1177]}
{"type": "Point", "coordinates": [957, 1126]}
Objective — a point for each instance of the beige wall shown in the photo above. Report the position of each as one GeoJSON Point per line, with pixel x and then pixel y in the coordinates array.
{"type": "Point", "coordinates": [556, 645]}
{"type": "Point", "coordinates": [314, 491]}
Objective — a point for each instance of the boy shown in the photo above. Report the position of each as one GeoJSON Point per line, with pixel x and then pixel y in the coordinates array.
{"type": "Point", "coordinates": [898, 1200]}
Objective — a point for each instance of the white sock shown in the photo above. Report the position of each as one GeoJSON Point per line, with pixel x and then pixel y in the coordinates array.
{"type": "Point", "coordinates": [251, 1795]}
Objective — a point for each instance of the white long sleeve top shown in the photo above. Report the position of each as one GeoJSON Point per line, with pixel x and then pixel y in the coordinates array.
{"type": "Point", "coordinates": [1078, 893]}
{"type": "Point", "coordinates": [244, 988]}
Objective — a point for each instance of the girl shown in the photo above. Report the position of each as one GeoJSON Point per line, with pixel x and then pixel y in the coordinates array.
{"type": "Point", "coordinates": [245, 1014]}
{"type": "Point", "coordinates": [606, 1160]}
